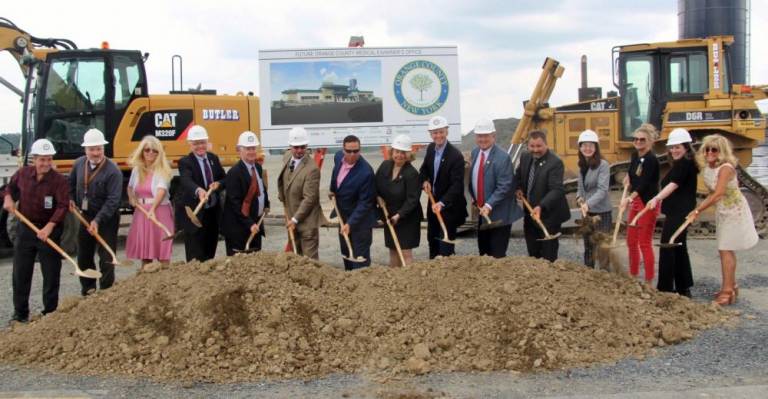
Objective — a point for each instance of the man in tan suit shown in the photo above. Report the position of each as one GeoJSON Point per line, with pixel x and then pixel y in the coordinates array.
{"type": "Point", "coordinates": [299, 190]}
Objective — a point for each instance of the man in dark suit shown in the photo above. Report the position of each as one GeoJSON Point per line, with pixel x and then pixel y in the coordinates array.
{"type": "Point", "coordinates": [247, 198]}
{"type": "Point", "coordinates": [353, 185]}
{"type": "Point", "coordinates": [200, 171]}
{"type": "Point", "coordinates": [442, 173]}
{"type": "Point", "coordinates": [540, 180]}
{"type": "Point", "coordinates": [492, 187]}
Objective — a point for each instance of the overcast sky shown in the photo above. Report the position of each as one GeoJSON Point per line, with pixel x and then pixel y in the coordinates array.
{"type": "Point", "coordinates": [502, 44]}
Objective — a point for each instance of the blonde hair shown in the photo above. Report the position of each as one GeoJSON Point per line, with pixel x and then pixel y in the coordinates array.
{"type": "Point", "coordinates": [724, 155]}
{"type": "Point", "coordinates": [161, 166]}
{"type": "Point", "coordinates": [649, 130]}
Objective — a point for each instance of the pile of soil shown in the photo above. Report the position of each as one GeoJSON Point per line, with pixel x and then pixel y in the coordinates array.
{"type": "Point", "coordinates": [258, 316]}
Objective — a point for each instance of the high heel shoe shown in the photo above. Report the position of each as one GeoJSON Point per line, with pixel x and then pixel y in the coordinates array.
{"type": "Point", "coordinates": [726, 297]}
{"type": "Point", "coordinates": [735, 292]}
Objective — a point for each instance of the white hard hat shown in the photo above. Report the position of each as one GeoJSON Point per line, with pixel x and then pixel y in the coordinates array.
{"type": "Point", "coordinates": [679, 136]}
{"type": "Point", "coordinates": [298, 136]}
{"type": "Point", "coordinates": [402, 142]}
{"type": "Point", "coordinates": [93, 137]}
{"type": "Point", "coordinates": [588, 136]}
{"type": "Point", "coordinates": [42, 147]}
{"type": "Point", "coordinates": [437, 122]}
{"type": "Point", "coordinates": [197, 132]}
{"type": "Point", "coordinates": [484, 126]}
{"type": "Point", "coordinates": [248, 139]}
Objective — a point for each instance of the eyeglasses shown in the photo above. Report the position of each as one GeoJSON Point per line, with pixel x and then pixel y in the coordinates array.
{"type": "Point", "coordinates": [148, 150]}
{"type": "Point", "coordinates": [352, 151]}
{"type": "Point", "coordinates": [713, 150]}
{"type": "Point", "coordinates": [639, 139]}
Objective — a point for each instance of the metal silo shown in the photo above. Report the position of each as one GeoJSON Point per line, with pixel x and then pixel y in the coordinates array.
{"type": "Point", "coordinates": [701, 18]}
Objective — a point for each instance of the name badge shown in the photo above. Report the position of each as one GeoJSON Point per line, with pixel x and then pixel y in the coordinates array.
{"type": "Point", "coordinates": [85, 204]}
{"type": "Point", "coordinates": [48, 202]}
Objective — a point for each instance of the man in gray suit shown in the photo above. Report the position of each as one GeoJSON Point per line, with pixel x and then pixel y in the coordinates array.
{"type": "Point", "coordinates": [492, 187]}
{"type": "Point", "coordinates": [540, 177]}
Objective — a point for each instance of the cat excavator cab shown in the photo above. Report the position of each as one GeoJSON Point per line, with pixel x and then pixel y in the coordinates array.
{"type": "Point", "coordinates": [680, 84]}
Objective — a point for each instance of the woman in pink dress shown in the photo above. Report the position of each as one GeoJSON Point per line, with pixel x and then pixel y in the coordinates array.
{"type": "Point", "coordinates": [148, 188]}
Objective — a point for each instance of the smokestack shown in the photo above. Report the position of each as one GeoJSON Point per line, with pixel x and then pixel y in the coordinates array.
{"type": "Point", "coordinates": [584, 84]}
{"type": "Point", "coordinates": [587, 93]}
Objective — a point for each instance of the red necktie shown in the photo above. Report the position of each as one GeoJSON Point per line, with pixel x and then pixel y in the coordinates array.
{"type": "Point", "coordinates": [253, 191]}
{"type": "Point", "coordinates": [481, 180]}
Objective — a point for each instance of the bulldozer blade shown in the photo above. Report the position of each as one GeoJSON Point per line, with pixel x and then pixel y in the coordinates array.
{"type": "Point", "coordinates": [192, 217]}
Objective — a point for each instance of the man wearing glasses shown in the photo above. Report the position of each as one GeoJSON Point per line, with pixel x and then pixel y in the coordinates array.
{"type": "Point", "coordinates": [298, 188]}
{"type": "Point", "coordinates": [199, 172]}
{"type": "Point", "coordinates": [352, 184]}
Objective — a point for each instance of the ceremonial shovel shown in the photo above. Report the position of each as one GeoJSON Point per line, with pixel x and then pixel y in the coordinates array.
{"type": "Point", "coordinates": [445, 238]}
{"type": "Point", "coordinates": [351, 256]}
{"type": "Point", "coordinates": [87, 273]}
{"type": "Point", "coordinates": [99, 238]}
{"type": "Point", "coordinates": [622, 209]}
{"type": "Point", "coordinates": [168, 235]}
{"type": "Point", "coordinates": [193, 214]}
{"type": "Point", "coordinates": [291, 237]}
{"type": "Point", "coordinates": [383, 206]}
{"type": "Point", "coordinates": [488, 223]}
{"type": "Point", "coordinates": [672, 243]}
{"type": "Point", "coordinates": [538, 221]}
{"type": "Point", "coordinates": [250, 237]}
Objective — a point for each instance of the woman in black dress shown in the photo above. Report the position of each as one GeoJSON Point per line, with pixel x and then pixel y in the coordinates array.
{"type": "Point", "coordinates": [678, 199]}
{"type": "Point", "coordinates": [397, 182]}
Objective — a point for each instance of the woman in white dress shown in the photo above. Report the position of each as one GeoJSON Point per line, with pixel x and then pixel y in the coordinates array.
{"type": "Point", "coordinates": [735, 226]}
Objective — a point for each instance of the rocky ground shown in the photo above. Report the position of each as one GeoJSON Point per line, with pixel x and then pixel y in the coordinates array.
{"type": "Point", "coordinates": [350, 305]}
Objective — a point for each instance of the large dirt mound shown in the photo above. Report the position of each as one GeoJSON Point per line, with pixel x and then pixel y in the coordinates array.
{"type": "Point", "coordinates": [263, 315]}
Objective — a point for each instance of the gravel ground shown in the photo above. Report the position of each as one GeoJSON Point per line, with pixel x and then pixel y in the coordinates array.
{"type": "Point", "coordinates": [719, 358]}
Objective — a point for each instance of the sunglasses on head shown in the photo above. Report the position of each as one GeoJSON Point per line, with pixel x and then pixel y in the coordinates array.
{"type": "Point", "coordinates": [148, 150]}
{"type": "Point", "coordinates": [639, 139]}
{"type": "Point", "coordinates": [352, 151]}
{"type": "Point", "coordinates": [713, 150]}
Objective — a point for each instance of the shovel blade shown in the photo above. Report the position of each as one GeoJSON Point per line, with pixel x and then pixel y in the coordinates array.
{"type": "Point", "coordinates": [669, 245]}
{"type": "Point", "coordinates": [488, 226]}
{"type": "Point", "coordinates": [551, 237]}
{"type": "Point", "coordinates": [359, 259]}
{"type": "Point", "coordinates": [88, 273]}
{"type": "Point", "coordinates": [192, 217]}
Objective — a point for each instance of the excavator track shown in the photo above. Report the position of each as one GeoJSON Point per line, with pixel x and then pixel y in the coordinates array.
{"type": "Point", "coordinates": [756, 195]}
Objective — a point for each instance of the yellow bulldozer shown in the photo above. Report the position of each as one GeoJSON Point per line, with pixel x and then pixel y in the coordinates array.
{"type": "Point", "coordinates": [684, 84]}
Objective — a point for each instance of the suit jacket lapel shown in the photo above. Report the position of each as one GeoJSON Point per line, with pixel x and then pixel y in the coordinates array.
{"type": "Point", "coordinates": [299, 168]}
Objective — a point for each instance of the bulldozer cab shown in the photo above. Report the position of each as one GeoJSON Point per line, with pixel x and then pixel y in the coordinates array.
{"type": "Point", "coordinates": [71, 91]}
{"type": "Point", "coordinates": [649, 76]}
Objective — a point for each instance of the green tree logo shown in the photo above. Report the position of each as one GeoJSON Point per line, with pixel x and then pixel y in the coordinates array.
{"type": "Point", "coordinates": [421, 82]}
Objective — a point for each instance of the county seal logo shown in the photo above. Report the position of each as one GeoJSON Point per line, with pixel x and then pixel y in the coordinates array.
{"type": "Point", "coordinates": [421, 87]}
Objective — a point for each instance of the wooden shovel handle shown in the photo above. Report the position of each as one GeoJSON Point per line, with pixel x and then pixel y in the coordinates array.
{"type": "Point", "coordinates": [154, 220]}
{"type": "Point", "coordinates": [203, 201]}
{"type": "Point", "coordinates": [383, 206]}
{"type": "Point", "coordinates": [438, 214]}
{"type": "Point", "coordinates": [341, 224]}
{"type": "Point", "coordinates": [79, 215]}
{"type": "Point", "coordinates": [50, 242]}
{"type": "Point", "coordinates": [680, 230]}
{"type": "Point", "coordinates": [622, 208]}
{"type": "Point", "coordinates": [535, 218]}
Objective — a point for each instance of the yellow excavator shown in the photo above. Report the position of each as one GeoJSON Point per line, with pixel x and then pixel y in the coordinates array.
{"type": "Point", "coordinates": [684, 84]}
{"type": "Point", "coordinates": [70, 90]}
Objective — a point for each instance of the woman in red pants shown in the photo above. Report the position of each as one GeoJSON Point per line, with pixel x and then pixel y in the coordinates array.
{"type": "Point", "coordinates": [643, 179]}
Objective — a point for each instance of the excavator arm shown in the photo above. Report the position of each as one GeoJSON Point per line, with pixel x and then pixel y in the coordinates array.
{"type": "Point", "coordinates": [550, 72]}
